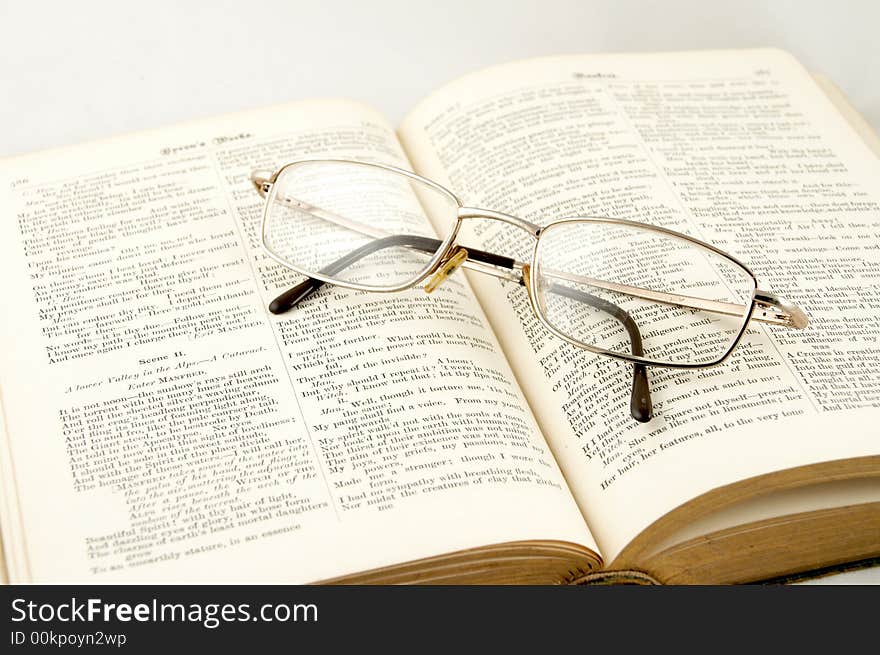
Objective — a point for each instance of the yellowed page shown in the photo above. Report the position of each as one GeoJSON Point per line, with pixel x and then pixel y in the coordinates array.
{"type": "Point", "coordinates": [811, 498]}
{"type": "Point", "coordinates": [163, 426]}
{"type": "Point", "coordinates": [737, 148]}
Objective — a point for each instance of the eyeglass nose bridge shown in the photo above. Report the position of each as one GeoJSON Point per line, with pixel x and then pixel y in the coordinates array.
{"type": "Point", "coordinates": [516, 271]}
{"type": "Point", "coordinates": [521, 223]}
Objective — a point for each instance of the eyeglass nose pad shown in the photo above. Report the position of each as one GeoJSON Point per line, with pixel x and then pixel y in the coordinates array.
{"type": "Point", "coordinates": [527, 283]}
{"type": "Point", "coordinates": [446, 269]}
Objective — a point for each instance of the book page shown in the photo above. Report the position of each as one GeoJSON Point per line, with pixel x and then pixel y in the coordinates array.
{"type": "Point", "coordinates": [163, 426]}
{"type": "Point", "coordinates": [740, 149]}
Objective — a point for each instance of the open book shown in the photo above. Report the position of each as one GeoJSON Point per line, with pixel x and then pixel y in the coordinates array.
{"type": "Point", "coordinates": [162, 426]}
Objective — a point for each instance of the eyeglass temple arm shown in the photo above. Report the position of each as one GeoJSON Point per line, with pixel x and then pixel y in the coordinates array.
{"type": "Point", "coordinates": [640, 401]}
{"type": "Point", "coordinates": [640, 405]}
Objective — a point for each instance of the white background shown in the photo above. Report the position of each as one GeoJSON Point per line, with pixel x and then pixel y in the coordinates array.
{"type": "Point", "coordinates": [74, 71]}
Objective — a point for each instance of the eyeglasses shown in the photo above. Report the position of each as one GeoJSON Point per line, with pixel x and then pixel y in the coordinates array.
{"type": "Point", "coordinates": [637, 293]}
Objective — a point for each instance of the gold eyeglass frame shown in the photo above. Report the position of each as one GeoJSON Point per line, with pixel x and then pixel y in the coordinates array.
{"type": "Point", "coordinates": [763, 306]}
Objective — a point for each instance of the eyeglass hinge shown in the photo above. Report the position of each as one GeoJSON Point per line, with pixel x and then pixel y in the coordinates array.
{"type": "Point", "coordinates": [261, 181]}
{"type": "Point", "coordinates": [774, 309]}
